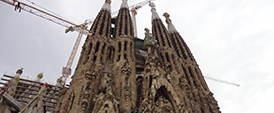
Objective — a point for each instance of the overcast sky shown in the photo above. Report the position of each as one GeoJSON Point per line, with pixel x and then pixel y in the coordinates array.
{"type": "Point", "coordinates": [232, 40]}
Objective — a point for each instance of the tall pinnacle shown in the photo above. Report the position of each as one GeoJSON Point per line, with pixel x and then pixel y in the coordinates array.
{"type": "Point", "coordinates": [106, 6]}
{"type": "Point", "coordinates": [124, 4]}
{"type": "Point", "coordinates": [170, 26]}
{"type": "Point", "coordinates": [153, 10]}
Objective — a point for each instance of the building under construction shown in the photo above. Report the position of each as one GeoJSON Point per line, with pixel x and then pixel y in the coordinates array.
{"type": "Point", "coordinates": [120, 73]}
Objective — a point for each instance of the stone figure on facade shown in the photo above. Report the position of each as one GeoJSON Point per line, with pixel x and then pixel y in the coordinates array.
{"type": "Point", "coordinates": [149, 42]}
{"type": "Point", "coordinates": [106, 83]}
{"type": "Point", "coordinates": [163, 106]}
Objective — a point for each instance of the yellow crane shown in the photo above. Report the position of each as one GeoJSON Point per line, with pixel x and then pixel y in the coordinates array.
{"type": "Point", "coordinates": [134, 13]}
{"type": "Point", "coordinates": [50, 16]}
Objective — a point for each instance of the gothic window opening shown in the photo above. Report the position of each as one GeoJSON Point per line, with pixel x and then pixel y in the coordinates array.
{"type": "Point", "coordinates": [161, 56]}
{"type": "Point", "coordinates": [118, 57]}
{"type": "Point", "coordinates": [125, 46]}
{"type": "Point", "coordinates": [167, 58]}
{"type": "Point", "coordinates": [188, 80]}
{"type": "Point", "coordinates": [191, 73]}
{"type": "Point", "coordinates": [94, 58]}
{"type": "Point", "coordinates": [121, 89]}
{"type": "Point", "coordinates": [121, 24]}
{"type": "Point", "coordinates": [174, 60]}
{"type": "Point", "coordinates": [126, 23]}
{"type": "Point", "coordinates": [154, 31]}
{"type": "Point", "coordinates": [139, 85]}
{"type": "Point", "coordinates": [162, 92]}
{"type": "Point", "coordinates": [97, 47]}
{"type": "Point", "coordinates": [108, 24]}
{"type": "Point", "coordinates": [90, 48]}
{"type": "Point", "coordinates": [103, 48]}
{"type": "Point", "coordinates": [101, 59]}
{"type": "Point", "coordinates": [72, 101]}
{"type": "Point", "coordinates": [131, 51]}
{"type": "Point", "coordinates": [150, 80]}
{"type": "Point", "coordinates": [111, 52]}
{"type": "Point", "coordinates": [119, 46]}
{"type": "Point", "coordinates": [102, 52]}
{"type": "Point", "coordinates": [139, 70]}
{"type": "Point", "coordinates": [125, 56]}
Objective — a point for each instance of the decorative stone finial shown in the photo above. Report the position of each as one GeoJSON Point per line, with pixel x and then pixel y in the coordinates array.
{"type": "Point", "coordinates": [40, 75]}
{"type": "Point", "coordinates": [170, 26]}
{"type": "Point", "coordinates": [124, 4]}
{"type": "Point", "coordinates": [152, 5]}
{"type": "Point", "coordinates": [59, 80]}
{"type": "Point", "coordinates": [167, 17]}
{"type": "Point", "coordinates": [106, 6]}
{"type": "Point", "coordinates": [19, 71]}
{"type": "Point", "coordinates": [108, 1]}
{"type": "Point", "coordinates": [153, 10]}
{"type": "Point", "coordinates": [149, 40]}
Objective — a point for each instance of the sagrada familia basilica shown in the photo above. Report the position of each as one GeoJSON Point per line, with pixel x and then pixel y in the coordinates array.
{"type": "Point", "coordinates": [120, 73]}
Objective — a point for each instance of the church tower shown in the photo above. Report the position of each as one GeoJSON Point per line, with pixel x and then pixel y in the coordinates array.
{"type": "Point", "coordinates": [119, 73]}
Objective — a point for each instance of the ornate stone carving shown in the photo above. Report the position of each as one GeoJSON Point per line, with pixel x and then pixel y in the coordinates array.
{"type": "Point", "coordinates": [163, 106]}
{"type": "Point", "coordinates": [196, 107]}
{"type": "Point", "coordinates": [149, 40]}
{"type": "Point", "coordinates": [90, 75]}
{"type": "Point", "coordinates": [126, 70]}
{"type": "Point", "coordinates": [145, 106]}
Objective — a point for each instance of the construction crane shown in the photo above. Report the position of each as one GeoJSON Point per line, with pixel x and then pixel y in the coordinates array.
{"type": "Point", "coordinates": [222, 81]}
{"type": "Point", "coordinates": [134, 13]}
{"type": "Point", "coordinates": [49, 16]}
{"type": "Point", "coordinates": [133, 10]}
{"type": "Point", "coordinates": [82, 28]}
{"type": "Point", "coordinates": [67, 69]}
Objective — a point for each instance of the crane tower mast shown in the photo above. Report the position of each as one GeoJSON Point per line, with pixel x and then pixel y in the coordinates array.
{"type": "Point", "coordinates": [134, 13]}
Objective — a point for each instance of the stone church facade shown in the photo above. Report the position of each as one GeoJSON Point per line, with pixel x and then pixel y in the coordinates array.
{"type": "Point", "coordinates": [119, 73]}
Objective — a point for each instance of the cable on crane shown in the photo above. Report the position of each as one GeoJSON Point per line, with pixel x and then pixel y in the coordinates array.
{"type": "Point", "coordinates": [48, 10]}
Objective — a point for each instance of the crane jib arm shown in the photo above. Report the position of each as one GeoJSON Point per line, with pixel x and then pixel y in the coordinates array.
{"type": "Point", "coordinates": [47, 16]}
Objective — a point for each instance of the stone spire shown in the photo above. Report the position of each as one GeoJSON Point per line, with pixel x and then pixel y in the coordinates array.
{"type": "Point", "coordinates": [159, 31]}
{"type": "Point", "coordinates": [123, 24]}
{"type": "Point", "coordinates": [153, 10]}
{"type": "Point", "coordinates": [102, 23]}
{"type": "Point", "coordinates": [170, 26]}
{"type": "Point", "coordinates": [178, 42]}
